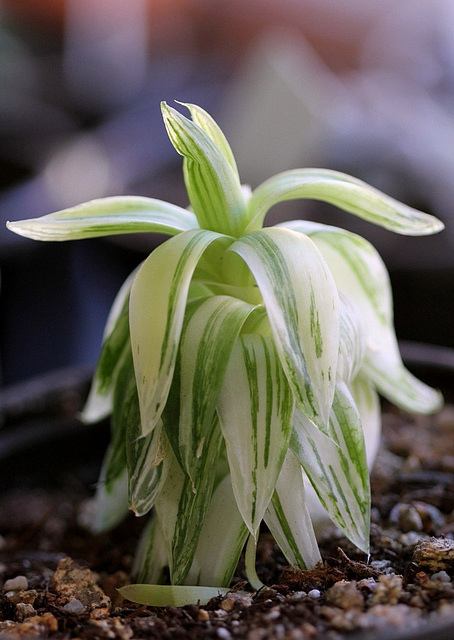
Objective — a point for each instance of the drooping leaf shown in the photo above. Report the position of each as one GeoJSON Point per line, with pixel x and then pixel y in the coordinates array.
{"type": "Point", "coordinates": [181, 506]}
{"type": "Point", "coordinates": [206, 343]}
{"type": "Point", "coordinates": [109, 506]}
{"type": "Point", "coordinates": [214, 564]}
{"type": "Point", "coordinates": [116, 336]}
{"type": "Point", "coordinates": [302, 304]}
{"type": "Point", "coordinates": [345, 192]}
{"type": "Point", "coordinates": [255, 409]}
{"type": "Point", "coordinates": [369, 408]}
{"type": "Point", "coordinates": [352, 344]}
{"type": "Point", "coordinates": [150, 560]}
{"type": "Point", "coordinates": [288, 518]}
{"type": "Point", "coordinates": [337, 467]}
{"type": "Point", "coordinates": [157, 303]}
{"type": "Point", "coordinates": [212, 184]}
{"type": "Point", "coordinates": [108, 217]}
{"type": "Point", "coordinates": [361, 274]}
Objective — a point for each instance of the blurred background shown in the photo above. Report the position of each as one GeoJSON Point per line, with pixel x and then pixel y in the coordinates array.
{"type": "Point", "coordinates": [362, 86]}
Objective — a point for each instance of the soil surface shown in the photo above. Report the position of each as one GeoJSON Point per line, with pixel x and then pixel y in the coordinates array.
{"type": "Point", "coordinates": [57, 581]}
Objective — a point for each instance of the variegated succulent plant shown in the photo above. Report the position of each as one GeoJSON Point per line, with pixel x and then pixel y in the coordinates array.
{"type": "Point", "coordinates": [241, 365]}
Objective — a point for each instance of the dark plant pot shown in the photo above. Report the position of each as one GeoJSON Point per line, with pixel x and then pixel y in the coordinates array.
{"type": "Point", "coordinates": [42, 440]}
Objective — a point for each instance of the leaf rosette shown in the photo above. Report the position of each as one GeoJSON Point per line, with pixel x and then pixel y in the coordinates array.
{"type": "Point", "coordinates": [241, 365]}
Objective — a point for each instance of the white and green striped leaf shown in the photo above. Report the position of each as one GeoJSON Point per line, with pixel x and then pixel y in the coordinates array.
{"type": "Point", "coordinates": [212, 129]}
{"type": "Point", "coordinates": [352, 344]}
{"type": "Point", "coordinates": [109, 505]}
{"type": "Point", "coordinates": [181, 506]}
{"type": "Point", "coordinates": [144, 457]}
{"type": "Point", "coordinates": [361, 274]}
{"type": "Point", "coordinates": [156, 311]}
{"type": "Point", "coordinates": [116, 335]}
{"type": "Point", "coordinates": [302, 304]}
{"type": "Point", "coordinates": [108, 217]}
{"type": "Point", "coordinates": [347, 193]}
{"type": "Point", "coordinates": [368, 405]}
{"type": "Point", "coordinates": [288, 518]}
{"type": "Point", "coordinates": [214, 564]}
{"type": "Point", "coordinates": [337, 467]}
{"type": "Point", "coordinates": [212, 184]}
{"type": "Point", "coordinates": [255, 410]}
{"type": "Point", "coordinates": [150, 560]}
{"type": "Point", "coordinates": [206, 344]}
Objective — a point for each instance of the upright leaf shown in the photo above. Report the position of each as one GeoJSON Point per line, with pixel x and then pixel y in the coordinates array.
{"type": "Point", "coordinates": [302, 304]}
{"type": "Point", "coordinates": [212, 129]}
{"type": "Point", "coordinates": [255, 409]}
{"type": "Point", "coordinates": [212, 184]}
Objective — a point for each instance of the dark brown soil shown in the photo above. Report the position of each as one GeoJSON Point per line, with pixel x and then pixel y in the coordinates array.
{"type": "Point", "coordinates": [57, 581]}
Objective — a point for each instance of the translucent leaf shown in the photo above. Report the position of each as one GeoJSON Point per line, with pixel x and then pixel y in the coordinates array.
{"type": "Point", "coordinates": [343, 191]}
{"type": "Point", "coordinates": [169, 595]}
{"type": "Point", "coordinates": [212, 184]}
{"type": "Point", "coordinates": [302, 304]}
{"type": "Point", "coordinates": [255, 409]}
{"type": "Point", "coordinates": [108, 217]}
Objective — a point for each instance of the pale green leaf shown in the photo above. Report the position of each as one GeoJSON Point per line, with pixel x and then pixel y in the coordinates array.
{"type": "Point", "coordinates": [255, 409]}
{"type": "Point", "coordinates": [361, 274]}
{"type": "Point", "coordinates": [337, 467]}
{"type": "Point", "coordinates": [215, 563]}
{"type": "Point", "coordinates": [288, 518]}
{"type": "Point", "coordinates": [169, 595]}
{"type": "Point", "coordinates": [213, 186]}
{"type": "Point", "coordinates": [302, 304]}
{"type": "Point", "coordinates": [108, 217]}
{"type": "Point", "coordinates": [343, 191]}
{"type": "Point", "coordinates": [157, 303]}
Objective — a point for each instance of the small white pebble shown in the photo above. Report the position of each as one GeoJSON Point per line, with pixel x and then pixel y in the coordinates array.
{"type": "Point", "coordinates": [314, 594]}
{"type": "Point", "coordinates": [223, 633]}
{"type": "Point", "coordinates": [19, 583]}
{"type": "Point", "coordinates": [74, 606]}
{"type": "Point", "coordinates": [298, 595]}
{"type": "Point", "coordinates": [441, 576]}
